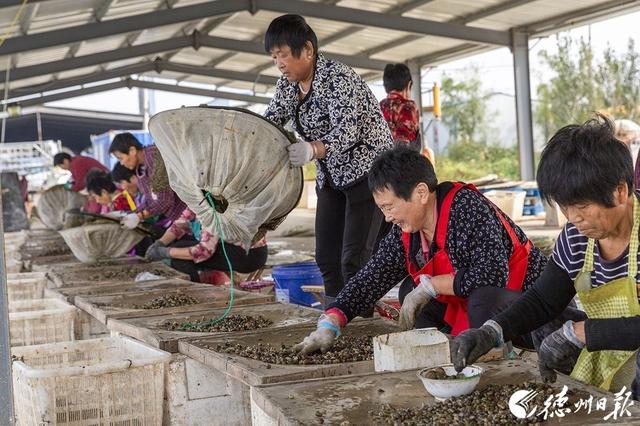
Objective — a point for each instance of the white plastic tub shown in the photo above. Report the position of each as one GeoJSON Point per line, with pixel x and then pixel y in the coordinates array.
{"type": "Point", "coordinates": [39, 321]}
{"type": "Point", "coordinates": [26, 286]}
{"type": "Point", "coordinates": [423, 347]}
{"type": "Point", "coordinates": [114, 381]}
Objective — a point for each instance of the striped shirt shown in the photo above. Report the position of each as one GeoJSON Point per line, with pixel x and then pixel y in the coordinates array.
{"type": "Point", "coordinates": [571, 249]}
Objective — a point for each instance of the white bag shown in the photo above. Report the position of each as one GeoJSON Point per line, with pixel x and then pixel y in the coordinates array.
{"type": "Point", "coordinates": [54, 202]}
{"type": "Point", "coordinates": [237, 157]}
{"type": "Point", "coordinates": [91, 243]}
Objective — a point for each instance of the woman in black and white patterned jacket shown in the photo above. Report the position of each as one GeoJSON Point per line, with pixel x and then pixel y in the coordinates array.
{"type": "Point", "coordinates": [336, 114]}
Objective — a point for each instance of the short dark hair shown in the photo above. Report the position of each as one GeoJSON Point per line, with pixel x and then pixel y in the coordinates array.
{"type": "Point", "coordinates": [123, 141]}
{"type": "Point", "coordinates": [60, 157]}
{"type": "Point", "coordinates": [290, 30]}
{"type": "Point", "coordinates": [120, 173]}
{"type": "Point", "coordinates": [396, 77]}
{"type": "Point", "coordinates": [584, 163]}
{"type": "Point", "coordinates": [97, 180]}
{"type": "Point", "coordinates": [401, 170]}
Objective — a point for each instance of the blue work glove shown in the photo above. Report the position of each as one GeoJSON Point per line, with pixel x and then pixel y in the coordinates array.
{"type": "Point", "coordinates": [470, 345]}
{"type": "Point", "coordinates": [415, 301]}
{"type": "Point", "coordinates": [157, 251]}
{"type": "Point", "coordinates": [559, 351]}
{"type": "Point", "coordinates": [322, 338]}
{"type": "Point", "coordinates": [300, 153]}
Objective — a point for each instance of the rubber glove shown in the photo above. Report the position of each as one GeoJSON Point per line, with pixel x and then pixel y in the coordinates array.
{"type": "Point", "coordinates": [300, 153]}
{"type": "Point", "coordinates": [157, 251]}
{"type": "Point", "coordinates": [559, 351]}
{"type": "Point", "coordinates": [415, 301]}
{"type": "Point", "coordinates": [130, 221]}
{"type": "Point", "coordinates": [322, 339]}
{"type": "Point", "coordinates": [470, 345]}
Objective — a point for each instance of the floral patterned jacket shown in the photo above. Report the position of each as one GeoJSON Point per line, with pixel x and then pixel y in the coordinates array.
{"type": "Point", "coordinates": [340, 111]}
{"type": "Point", "coordinates": [402, 116]}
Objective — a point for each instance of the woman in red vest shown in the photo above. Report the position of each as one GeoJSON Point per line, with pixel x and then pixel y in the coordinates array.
{"type": "Point", "coordinates": [463, 258]}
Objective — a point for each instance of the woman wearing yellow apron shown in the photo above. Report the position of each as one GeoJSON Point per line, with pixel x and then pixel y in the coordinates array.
{"type": "Point", "coordinates": [586, 171]}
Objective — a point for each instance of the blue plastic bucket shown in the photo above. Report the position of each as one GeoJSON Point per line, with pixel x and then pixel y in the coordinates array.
{"type": "Point", "coordinates": [290, 278]}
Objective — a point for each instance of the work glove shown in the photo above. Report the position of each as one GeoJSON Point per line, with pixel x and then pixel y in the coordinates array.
{"type": "Point", "coordinates": [157, 251]}
{"type": "Point", "coordinates": [300, 153]}
{"type": "Point", "coordinates": [470, 345]}
{"type": "Point", "coordinates": [130, 221]}
{"type": "Point", "coordinates": [322, 339]}
{"type": "Point", "coordinates": [559, 351]}
{"type": "Point", "coordinates": [415, 301]}
{"type": "Point", "coordinates": [67, 186]}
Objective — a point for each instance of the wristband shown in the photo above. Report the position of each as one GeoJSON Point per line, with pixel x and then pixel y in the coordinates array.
{"type": "Point", "coordinates": [497, 329]}
{"type": "Point", "coordinates": [329, 326]}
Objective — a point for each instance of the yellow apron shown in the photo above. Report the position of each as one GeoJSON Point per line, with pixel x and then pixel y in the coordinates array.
{"type": "Point", "coordinates": [609, 369]}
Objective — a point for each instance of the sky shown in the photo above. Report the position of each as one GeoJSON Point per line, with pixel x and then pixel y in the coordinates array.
{"type": "Point", "coordinates": [496, 73]}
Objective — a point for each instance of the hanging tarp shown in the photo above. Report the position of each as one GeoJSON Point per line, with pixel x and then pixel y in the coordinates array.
{"type": "Point", "coordinates": [232, 159]}
{"type": "Point", "coordinates": [53, 204]}
{"type": "Point", "coordinates": [91, 243]}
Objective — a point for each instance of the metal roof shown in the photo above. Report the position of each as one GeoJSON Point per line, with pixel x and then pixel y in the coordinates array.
{"type": "Point", "coordinates": [74, 44]}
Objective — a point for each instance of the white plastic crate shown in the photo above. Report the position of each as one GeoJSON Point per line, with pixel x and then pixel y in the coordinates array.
{"type": "Point", "coordinates": [510, 202]}
{"type": "Point", "coordinates": [26, 286]}
{"type": "Point", "coordinates": [39, 321]}
{"type": "Point", "coordinates": [114, 381]}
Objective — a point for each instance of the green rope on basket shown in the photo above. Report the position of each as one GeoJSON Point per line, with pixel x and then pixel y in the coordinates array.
{"type": "Point", "coordinates": [189, 325]}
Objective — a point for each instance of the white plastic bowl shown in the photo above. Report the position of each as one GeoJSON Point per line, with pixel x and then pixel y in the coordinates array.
{"type": "Point", "coordinates": [445, 389]}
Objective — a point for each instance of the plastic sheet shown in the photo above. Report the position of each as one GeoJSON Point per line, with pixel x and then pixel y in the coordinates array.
{"type": "Point", "coordinates": [90, 243]}
{"type": "Point", "coordinates": [53, 204]}
{"type": "Point", "coordinates": [238, 158]}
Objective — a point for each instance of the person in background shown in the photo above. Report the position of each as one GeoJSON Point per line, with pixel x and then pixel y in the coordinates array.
{"type": "Point", "coordinates": [400, 112]}
{"type": "Point", "coordinates": [161, 205]}
{"type": "Point", "coordinates": [466, 259]}
{"type": "Point", "coordinates": [628, 132]}
{"type": "Point", "coordinates": [104, 192]}
{"type": "Point", "coordinates": [79, 166]}
{"type": "Point", "coordinates": [129, 183]}
{"type": "Point", "coordinates": [192, 249]}
{"type": "Point", "coordinates": [589, 174]}
{"type": "Point", "coordinates": [335, 113]}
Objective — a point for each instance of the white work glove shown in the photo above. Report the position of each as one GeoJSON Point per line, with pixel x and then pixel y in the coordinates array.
{"type": "Point", "coordinates": [322, 339]}
{"type": "Point", "coordinates": [300, 153]}
{"type": "Point", "coordinates": [130, 221]}
{"type": "Point", "coordinates": [415, 301]}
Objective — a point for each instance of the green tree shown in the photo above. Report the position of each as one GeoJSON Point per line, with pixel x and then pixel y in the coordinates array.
{"type": "Point", "coordinates": [619, 77]}
{"type": "Point", "coordinates": [466, 114]}
{"type": "Point", "coordinates": [571, 94]}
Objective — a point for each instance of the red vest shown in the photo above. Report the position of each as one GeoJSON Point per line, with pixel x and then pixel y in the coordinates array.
{"type": "Point", "coordinates": [440, 264]}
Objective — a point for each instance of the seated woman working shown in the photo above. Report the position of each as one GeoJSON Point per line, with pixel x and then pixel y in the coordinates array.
{"type": "Point", "coordinates": [589, 173]}
{"type": "Point", "coordinates": [467, 260]}
{"type": "Point", "coordinates": [102, 189]}
{"type": "Point", "coordinates": [192, 249]}
{"type": "Point", "coordinates": [128, 182]}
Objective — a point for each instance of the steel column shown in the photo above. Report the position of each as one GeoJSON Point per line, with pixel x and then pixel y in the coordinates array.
{"type": "Point", "coordinates": [520, 50]}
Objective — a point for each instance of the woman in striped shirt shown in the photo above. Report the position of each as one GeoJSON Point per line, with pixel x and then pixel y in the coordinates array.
{"type": "Point", "coordinates": [589, 174]}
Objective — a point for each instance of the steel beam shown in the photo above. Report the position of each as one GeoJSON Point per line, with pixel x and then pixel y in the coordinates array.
{"type": "Point", "coordinates": [15, 3]}
{"type": "Point", "coordinates": [217, 73]}
{"type": "Point", "coordinates": [450, 53]}
{"type": "Point", "coordinates": [158, 66]}
{"type": "Point", "coordinates": [490, 11]}
{"type": "Point", "coordinates": [258, 49]}
{"type": "Point", "coordinates": [200, 92]}
{"type": "Point", "coordinates": [101, 58]}
{"type": "Point", "coordinates": [520, 50]}
{"type": "Point", "coordinates": [72, 93]}
{"type": "Point", "coordinates": [27, 18]}
{"type": "Point", "coordinates": [121, 25]}
{"type": "Point", "coordinates": [577, 17]}
{"type": "Point", "coordinates": [382, 20]}
{"type": "Point", "coordinates": [68, 83]}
